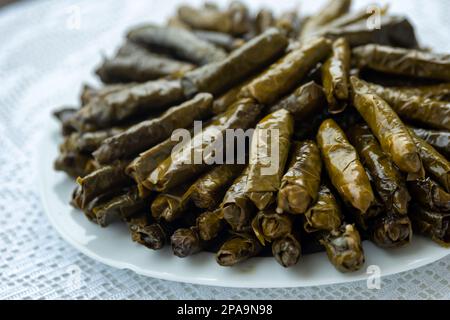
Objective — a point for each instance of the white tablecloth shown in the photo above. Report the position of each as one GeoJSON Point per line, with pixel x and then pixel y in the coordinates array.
{"type": "Point", "coordinates": [48, 48]}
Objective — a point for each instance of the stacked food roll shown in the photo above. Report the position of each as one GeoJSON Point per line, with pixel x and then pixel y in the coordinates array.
{"type": "Point", "coordinates": [341, 134]}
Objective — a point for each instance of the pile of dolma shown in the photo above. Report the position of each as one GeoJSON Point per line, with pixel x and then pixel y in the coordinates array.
{"type": "Point", "coordinates": [360, 118]}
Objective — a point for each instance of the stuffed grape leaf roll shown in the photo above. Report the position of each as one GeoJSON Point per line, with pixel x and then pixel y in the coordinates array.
{"type": "Point", "coordinates": [386, 178]}
{"type": "Point", "coordinates": [146, 134]}
{"type": "Point", "coordinates": [394, 137]}
{"type": "Point", "coordinates": [402, 61]}
{"type": "Point", "coordinates": [300, 184]}
{"type": "Point", "coordinates": [344, 167]}
{"type": "Point", "coordinates": [179, 42]}
{"type": "Point", "coordinates": [268, 155]}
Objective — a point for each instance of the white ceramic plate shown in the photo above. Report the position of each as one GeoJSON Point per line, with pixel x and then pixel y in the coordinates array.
{"type": "Point", "coordinates": [113, 245]}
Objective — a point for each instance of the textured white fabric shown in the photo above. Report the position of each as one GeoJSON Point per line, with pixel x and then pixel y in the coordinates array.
{"type": "Point", "coordinates": [48, 48]}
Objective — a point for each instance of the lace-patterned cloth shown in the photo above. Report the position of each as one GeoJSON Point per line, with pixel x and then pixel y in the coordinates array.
{"type": "Point", "coordinates": [48, 49]}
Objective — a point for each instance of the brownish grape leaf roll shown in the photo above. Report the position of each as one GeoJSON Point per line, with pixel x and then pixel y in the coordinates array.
{"type": "Point", "coordinates": [394, 137]}
{"type": "Point", "coordinates": [386, 178]}
{"type": "Point", "coordinates": [284, 75]}
{"type": "Point", "coordinates": [408, 62]}
{"type": "Point", "coordinates": [87, 142]}
{"type": "Point", "coordinates": [300, 184]}
{"type": "Point", "coordinates": [153, 235]}
{"type": "Point", "coordinates": [287, 250]}
{"type": "Point", "coordinates": [122, 206]}
{"type": "Point", "coordinates": [344, 167]}
{"type": "Point", "coordinates": [75, 164]}
{"type": "Point", "coordinates": [240, 247]}
{"type": "Point", "coordinates": [186, 242]}
{"type": "Point", "coordinates": [325, 214]}
{"type": "Point", "coordinates": [346, 19]}
{"type": "Point", "coordinates": [118, 106]}
{"type": "Point", "coordinates": [440, 140]}
{"type": "Point", "coordinates": [264, 20]}
{"type": "Point", "coordinates": [205, 18]}
{"type": "Point", "coordinates": [240, 64]}
{"type": "Point", "coordinates": [227, 99]}
{"type": "Point", "coordinates": [220, 39]}
{"type": "Point", "coordinates": [146, 134]}
{"type": "Point", "coordinates": [233, 20]}
{"type": "Point", "coordinates": [434, 225]}
{"type": "Point", "coordinates": [344, 248]}
{"type": "Point", "coordinates": [335, 76]}
{"type": "Point", "coordinates": [89, 93]}
{"type": "Point", "coordinates": [141, 167]}
{"type": "Point", "coordinates": [237, 209]}
{"type": "Point", "coordinates": [135, 63]}
{"type": "Point", "coordinates": [269, 225]}
{"type": "Point", "coordinates": [435, 164]}
{"type": "Point", "coordinates": [429, 194]}
{"type": "Point", "coordinates": [210, 224]}
{"type": "Point", "coordinates": [305, 101]}
{"type": "Point", "coordinates": [102, 180]}
{"type": "Point", "coordinates": [429, 112]}
{"type": "Point", "coordinates": [439, 91]}
{"type": "Point", "coordinates": [268, 155]}
{"type": "Point", "coordinates": [390, 230]}
{"type": "Point", "coordinates": [172, 204]}
{"type": "Point", "coordinates": [182, 166]}
{"type": "Point", "coordinates": [393, 30]}
{"type": "Point", "coordinates": [331, 11]}
{"type": "Point", "coordinates": [209, 189]}
{"type": "Point", "coordinates": [179, 42]}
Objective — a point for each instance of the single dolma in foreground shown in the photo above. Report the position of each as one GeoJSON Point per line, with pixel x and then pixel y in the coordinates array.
{"type": "Point", "coordinates": [325, 214]}
{"type": "Point", "coordinates": [210, 224]}
{"type": "Point", "coordinates": [344, 167]}
{"type": "Point", "coordinates": [300, 184]}
{"type": "Point", "coordinates": [102, 180]}
{"type": "Point", "coordinates": [391, 230]}
{"type": "Point", "coordinates": [344, 248]}
{"type": "Point", "coordinates": [269, 225]}
{"type": "Point", "coordinates": [238, 248]}
{"type": "Point", "coordinates": [237, 208]}
{"type": "Point", "coordinates": [287, 250]}
{"type": "Point", "coordinates": [394, 137]}
{"type": "Point", "coordinates": [268, 155]}
{"type": "Point", "coordinates": [209, 189]}
{"type": "Point", "coordinates": [150, 234]}
{"type": "Point", "coordinates": [386, 178]}
{"type": "Point", "coordinates": [186, 242]}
